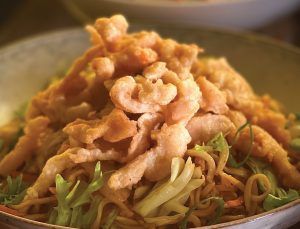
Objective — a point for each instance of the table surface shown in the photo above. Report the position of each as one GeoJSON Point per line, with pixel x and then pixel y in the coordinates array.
{"type": "Point", "coordinates": [19, 19]}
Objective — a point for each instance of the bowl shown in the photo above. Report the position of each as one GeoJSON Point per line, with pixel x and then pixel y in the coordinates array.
{"type": "Point", "coordinates": [269, 66]}
{"type": "Point", "coordinates": [217, 13]}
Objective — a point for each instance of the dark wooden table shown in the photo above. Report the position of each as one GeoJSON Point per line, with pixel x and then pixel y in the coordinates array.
{"type": "Point", "coordinates": [23, 18]}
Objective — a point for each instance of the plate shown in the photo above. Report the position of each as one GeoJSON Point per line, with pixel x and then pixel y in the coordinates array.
{"type": "Point", "coordinates": [269, 66]}
{"type": "Point", "coordinates": [217, 13]}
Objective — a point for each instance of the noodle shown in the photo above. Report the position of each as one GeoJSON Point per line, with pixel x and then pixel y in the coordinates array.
{"type": "Point", "coordinates": [25, 204]}
{"type": "Point", "coordinates": [241, 172]}
{"type": "Point", "coordinates": [210, 162]}
{"type": "Point", "coordinates": [137, 134]}
{"type": "Point", "coordinates": [101, 206]}
{"type": "Point", "coordinates": [250, 197]}
{"type": "Point", "coordinates": [205, 212]}
{"type": "Point", "coordinates": [233, 181]}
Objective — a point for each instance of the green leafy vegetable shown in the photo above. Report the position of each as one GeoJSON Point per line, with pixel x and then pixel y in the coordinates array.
{"type": "Point", "coordinates": [73, 202]}
{"type": "Point", "coordinates": [272, 179]}
{"type": "Point", "coordinates": [231, 161]}
{"type": "Point", "coordinates": [94, 185]}
{"type": "Point", "coordinates": [203, 148]}
{"type": "Point", "coordinates": [110, 219]}
{"type": "Point", "coordinates": [89, 217]}
{"type": "Point", "coordinates": [183, 224]}
{"type": "Point", "coordinates": [14, 192]}
{"type": "Point", "coordinates": [76, 217]}
{"type": "Point", "coordinates": [295, 144]}
{"type": "Point", "coordinates": [52, 216]}
{"type": "Point", "coordinates": [272, 201]}
{"type": "Point", "coordinates": [219, 144]}
{"type": "Point", "coordinates": [63, 208]}
{"type": "Point", "coordinates": [220, 208]}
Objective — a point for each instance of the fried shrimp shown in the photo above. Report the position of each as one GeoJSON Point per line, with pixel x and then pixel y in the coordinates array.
{"type": "Point", "coordinates": [202, 128]}
{"type": "Point", "coordinates": [213, 100]}
{"type": "Point", "coordinates": [141, 133]}
{"type": "Point", "coordinates": [113, 127]}
{"type": "Point", "coordinates": [187, 102]}
{"type": "Point", "coordinates": [25, 147]}
{"type": "Point", "coordinates": [141, 141]}
{"type": "Point", "coordinates": [171, 142]}
{"type": "Point", "coordinates": [266, 147]}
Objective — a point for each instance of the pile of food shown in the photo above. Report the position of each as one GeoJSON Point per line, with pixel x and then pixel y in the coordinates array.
{"type": "Point", "coordinates": [141, 133]}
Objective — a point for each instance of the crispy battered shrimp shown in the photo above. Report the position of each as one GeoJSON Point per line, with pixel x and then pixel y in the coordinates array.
{"type": "Point", "coordinates": [122, 95]}
{"type": "Point", "coordinates": [179, 57]}
{"type": "Point", "coordinates": [241, 97]}
{"type": "Point", "coordinates": [213, 100]}
{"type": "Point", "coordinates": [104, 68]}
{"type": "Point", "coordinates": [187, 102]}
{"type": "Point", "coordinates": [155, 71]}
{"type": "Point", "coordinates": [113, 127]}
{"type": "Point", "coordinates": [133, 59]}
{"type": "Point", "coordinates": [25, 147]}
{"type": "Point", "coordinates": [236, 117]}
{"type": "Point", "coordinates": [202, 128]}
{"type": "Point", "coordinates": [58, 163]}
{"type": "Point", "coordinates": [156, 93]}
{"type": "Point", "coordinates": [266, 147]}
{"type": "Point", "coordinates": [141, 141]}
{"type": "Point", "coordinates": [111, 29]}
{"type": "Point", "coordinates": [220, 73]}
{"type": "Point", "coordinates": [171, 142]}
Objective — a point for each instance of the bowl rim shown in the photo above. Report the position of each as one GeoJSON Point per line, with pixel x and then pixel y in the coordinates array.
{"type": "Point", "coordinates": [183, 3]}
{"type": "Point", "coordinates": [221, 225]}
{"type": "Point", "coordinates": [56, 34]}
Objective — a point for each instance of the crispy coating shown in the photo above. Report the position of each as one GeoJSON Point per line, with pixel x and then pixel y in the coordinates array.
{"type": "Point", "coordinates": [66, 160]}
{"type": "Point", "coordinates": [104, 67]}
{"type": "Point", "coordinates": [155, 71]}
{"type": "Point", "coordinates": [202, 128]}
{"type": "Point", "coordinates": [187, 102]}
{"type": "Point", "coordinates": [213, 100]}
{"type": "Point", "coordinates": [156, 93]}
{"type": "Point", "coordinates": [236, 117]}
{"type": "Point", "coordinates": [241, 97]}
{"type": "Point", "coordinates": [25, 147]}
{"type": "Point", "coordinates": [113, 127]}
{"type": "Point", "coordinates": [141, 141]}
{"type": "Point", "coordinates": [134, 102]}
{"type": "Point", "coordinates": [220, 73]}
{"type": "Point", "coordinates": [171, 142]}
{"type": "Point", "coordinates": [266, 147]}
{"type": "Point", "coordinates": [179, 57]}
{"type": "Point", "coordinates": [111, 29]}
{"type": "Point", "coordinates": [123, 93]}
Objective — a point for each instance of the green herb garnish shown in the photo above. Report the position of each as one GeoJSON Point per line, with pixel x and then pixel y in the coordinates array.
{"type": "Point", "coordinates": [283, 198]}
{"type": "Point", "coordinates": [231, 160]}
{"type": "Point", "coordinates": [184, 222]}
{"type": "Point", "coordinates": [220, 208]}
{"type": "Point", "coordinates": [13, 192]}
{"type": "Point", "coordinates": [71, 201]}
{"type": "Point", "coordinates": [110, 219]}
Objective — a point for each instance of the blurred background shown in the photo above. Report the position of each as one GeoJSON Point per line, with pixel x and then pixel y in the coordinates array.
{"type": "Point", "coordinates": [279, 19]}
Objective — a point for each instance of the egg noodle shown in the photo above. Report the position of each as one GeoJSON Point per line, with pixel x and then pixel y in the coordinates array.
{"type": "Point", "coordinates": [142, 133]}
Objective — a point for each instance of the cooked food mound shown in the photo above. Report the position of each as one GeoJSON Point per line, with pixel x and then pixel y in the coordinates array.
{"type": "Point", "coordinates": [142, 133]}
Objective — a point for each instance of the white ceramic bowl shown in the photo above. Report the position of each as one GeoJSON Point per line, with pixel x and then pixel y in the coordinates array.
{"type": "Point", "coordinates": [269, 66]}
{"type": "Point", "coordinates": [218, 13]}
